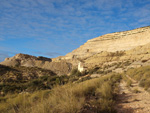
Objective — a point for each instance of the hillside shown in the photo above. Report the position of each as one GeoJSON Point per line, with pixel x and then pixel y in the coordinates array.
{"type": "Point", "coordinates": [18, 79]}
{"type": "Point", "coordinates": [118, 41]}
{"type": "Point", "coordinates": [59, 68]}
{"type": "Point", "coordinates": [22, 73]}
{"type": "Point", "coordinates": [116, 52]}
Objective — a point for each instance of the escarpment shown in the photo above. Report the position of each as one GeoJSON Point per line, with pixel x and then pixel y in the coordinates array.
{"type": "Point", "coordinates": [119, 41]}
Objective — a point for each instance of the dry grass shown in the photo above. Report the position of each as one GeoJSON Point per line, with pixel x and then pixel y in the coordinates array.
{"type": "Point", "coordinates": [69, 98]}
{"type": "Point", "coordinates": [142, 75]}
{"type": "Point", "coordinates": [129, 83]}
{"type": "Point", "coordinates": [127, 80]}
{"type": "Point", "coordinates": [136, 90]}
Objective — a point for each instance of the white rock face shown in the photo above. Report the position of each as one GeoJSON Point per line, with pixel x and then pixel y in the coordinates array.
{"type": "Point", "coordinates": [80, 67]}
{"type": "Point", "coordinates": [118, 41]}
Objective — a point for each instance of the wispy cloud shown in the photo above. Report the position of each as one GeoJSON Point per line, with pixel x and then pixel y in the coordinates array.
{"type": "Point", "coordinates": [63, 25]}
{"type": "Point", "coordinates": [5, 54]}
{"type": "Point", "coordinates": [48, 54]}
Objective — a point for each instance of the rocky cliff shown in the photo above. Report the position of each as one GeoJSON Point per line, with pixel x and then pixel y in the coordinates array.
{"type": "Point", "coordinates": [119, 41]}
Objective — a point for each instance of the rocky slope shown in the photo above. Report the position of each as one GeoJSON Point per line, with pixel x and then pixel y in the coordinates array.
{"type": "Point", "coordinates": [123, 49]}
{"type": "Point", "coordinates": [59, 68]}
{"type": "Point", "coordinates": [113, 42]}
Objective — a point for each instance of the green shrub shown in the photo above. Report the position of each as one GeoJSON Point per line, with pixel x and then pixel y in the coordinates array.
{"type": "Point", "coordinates": [141, 74]}
{"type": "Point", "coordinates": [57, 81]}
{"type": "Point", "coordinates": [116, 77]}
{"type": "Point", "coordinates": [129, 83]}
{"type": "Point", "coordinates": [78, 73]}
{"type": "Point", "coordinates": [142, 83]}
{"type": "Point", "coordinates": [93, 70]}
{"type": "Point", "coordinates": [75, 72]}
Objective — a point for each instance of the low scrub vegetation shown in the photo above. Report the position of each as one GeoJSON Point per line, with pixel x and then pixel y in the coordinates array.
{"type": "Point", "coordinates": [99, 93]}
{"type": "Point", "coordinates": [142, 75]}
{"type": "Point", "coordinates": [129, 83]}
{"type": "Point", "coordinates": [136, 90]}
{"type": "Point", "coordinates": [118, 53]}
{"type": "Point", "coordinates": [41, 83]}
{"type": "Point", "coordinates": [76, 72]}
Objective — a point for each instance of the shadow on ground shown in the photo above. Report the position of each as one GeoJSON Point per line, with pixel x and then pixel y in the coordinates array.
{"type": "Point", "coordinates": [121, 99]}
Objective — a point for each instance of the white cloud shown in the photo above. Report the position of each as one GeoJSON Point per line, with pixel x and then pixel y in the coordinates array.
{"type": "Point", "coordinates": [72, 22]}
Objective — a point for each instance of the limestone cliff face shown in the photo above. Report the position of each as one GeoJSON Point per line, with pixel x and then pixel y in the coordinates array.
{"type": "Point", "coordinates": [119, 41]}
{"type": "Point", "coordinates": [59, 68]}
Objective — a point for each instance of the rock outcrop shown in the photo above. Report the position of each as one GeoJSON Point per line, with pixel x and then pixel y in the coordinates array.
{"type": "Point", "coordinates": [59, 68]}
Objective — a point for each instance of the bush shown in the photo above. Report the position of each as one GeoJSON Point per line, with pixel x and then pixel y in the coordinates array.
{"type": "Point", "coordinates": [75, 72]}
{"type": "Point", "coordinates": [93, 71]}
{"type": "Point", "coordinates": [106, 91]}
{"type": "Point", "coordinates": [145, 83]}
{"type": "Point", "coordinates": [136, 90]}
{"type": "Point", "coordinates": [141, 74]}
{"type": "Point", "coordinates": [142, 83]}
{"type": "Point", "coordinates": [107, 106]}
{"type": "Point", "coordinates": [129, 83]}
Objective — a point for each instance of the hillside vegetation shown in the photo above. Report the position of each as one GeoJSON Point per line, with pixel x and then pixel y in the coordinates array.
{"type": "Point", "coordinates": [142, 75]}
{"type": "Point", "coordinates": [30, 79]}
{"type": "Point", "coordinates": [18, 79]}
{"type": "Point", "coordinates": [95, 95]}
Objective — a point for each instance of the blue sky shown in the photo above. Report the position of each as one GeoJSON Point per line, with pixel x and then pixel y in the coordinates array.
{"type": "Point", "coordinates": [53, 28]}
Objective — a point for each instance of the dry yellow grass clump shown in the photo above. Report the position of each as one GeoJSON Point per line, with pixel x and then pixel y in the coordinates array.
{"type": "Point", "coordinates": [141, 75]}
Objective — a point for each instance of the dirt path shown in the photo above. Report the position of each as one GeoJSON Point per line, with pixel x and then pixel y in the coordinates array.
{"type": "Point", "coordinates": [133, 100]}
